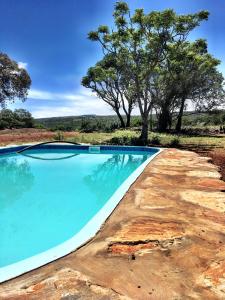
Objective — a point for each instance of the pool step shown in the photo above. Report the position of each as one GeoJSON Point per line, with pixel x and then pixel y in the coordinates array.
{"type": "Point", "coordinates": [94, 149]}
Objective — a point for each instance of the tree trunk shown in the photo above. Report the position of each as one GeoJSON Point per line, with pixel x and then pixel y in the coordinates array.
{"type": "Point", "coordinates": [144, 131]}
{"type": "Point", "coordinates": [151, 120]}
{"type": "Point", "coordinates": [128, 120]}
{"type": "Point", "coordinates": [180, 115]}
{"type": "Point", "coordinates": [164, 120]}
{"type": "Point", "coordinates": [122, 123]}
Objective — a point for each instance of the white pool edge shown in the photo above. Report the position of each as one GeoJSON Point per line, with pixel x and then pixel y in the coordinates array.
{"type": "Point", "coordinates": [79, 239]}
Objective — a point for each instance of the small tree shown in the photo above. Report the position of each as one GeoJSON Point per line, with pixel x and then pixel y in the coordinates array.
{"type": "Point", "coordinates": [14, 81]}
{"type": "Point", "coordinates": [23, 118]}
{"type": "Point", "coordinates": [6, 119]}
{"type": "Point", "coordinates": [20, 118]}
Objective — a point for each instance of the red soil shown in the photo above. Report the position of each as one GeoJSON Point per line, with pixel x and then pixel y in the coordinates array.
{"type": "Point", "coordinates": [218, 158]}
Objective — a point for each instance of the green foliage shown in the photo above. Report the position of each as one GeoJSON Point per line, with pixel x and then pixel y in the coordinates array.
{"type": "Point", "coordinates": [110, 123]}
{"type": "Point", "coordinates": [155, 139]}
{"type": "Point", "coordinates": [175, 142]}
{"type": "Point", "coordinates": [6, 119]}
{"type": "Point", "coordinates": [143, 62]}
{"type": "Point", "coordinates": [125, 140]}
{"type": "Point", "coordinates": [39, 126]}
{"type": "Point", "coordinates": [19, 118]}
{"type": "Point", "coordinates": [14, 81]}
{"type": "Point", "coordinates": [136, 121]}
{"type": "Point", "coordinates": [62, 127]}
{"type": "Point", "coordinates": [23, 118]}
{"type": "Point", "coordinates": [80, 123]}
{"type": "Point", "coordinates": [106, 79]}
{"type": "Point", "coordinates": [190, 73]}
{"type": "Point", "coordinates": [87, 127]}
{"type": "Point", "coordinates": [201, 120]}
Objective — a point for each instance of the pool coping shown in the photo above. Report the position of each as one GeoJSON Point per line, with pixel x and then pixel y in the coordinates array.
{"type": "Point", "coordinates": [90, 229]}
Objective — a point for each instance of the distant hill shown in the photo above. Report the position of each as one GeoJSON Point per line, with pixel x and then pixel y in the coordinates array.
{"type": "Point", "coordinates": [77, 122]}
{"type": "Point", "coordinates": [95, 122]}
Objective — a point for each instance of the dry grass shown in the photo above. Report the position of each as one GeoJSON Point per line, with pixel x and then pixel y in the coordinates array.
{"type": "Point", "coordinates": [19, 136]}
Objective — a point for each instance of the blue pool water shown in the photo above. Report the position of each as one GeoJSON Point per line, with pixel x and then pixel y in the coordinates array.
{"type": "Point", "coordinates": [48, 195]}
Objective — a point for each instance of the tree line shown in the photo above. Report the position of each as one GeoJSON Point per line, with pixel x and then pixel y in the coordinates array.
{"type": "Point", "coordinates": [148, 62]}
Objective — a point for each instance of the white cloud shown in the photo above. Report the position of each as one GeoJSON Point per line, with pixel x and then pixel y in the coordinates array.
{"type": "Point", "coordinates": [22, 65]}
{"type": "Point", "coordinates": [50, 104]}
{"type": "Point", "coordinates": [46, 95]}
{"type": "Point", "coordinates": [97, 107]}
{"type": "Point", "coordinates": [41, 95]}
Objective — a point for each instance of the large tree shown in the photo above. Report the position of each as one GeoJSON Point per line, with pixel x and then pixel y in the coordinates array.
{"type": "Point", "coordinates": [14, 81]}
{"type": "Point", "coordinates": [197, 79]}
{"type": "Point", "coordinates": [141, 42]}
{"type": "Point", "coordinates": [188, 74]}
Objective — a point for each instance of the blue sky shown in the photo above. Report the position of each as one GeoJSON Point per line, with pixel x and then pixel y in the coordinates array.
{"type": "Point", "coordinates": [49, 38]}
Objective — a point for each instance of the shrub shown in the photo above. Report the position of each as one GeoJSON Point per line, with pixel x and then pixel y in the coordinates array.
{"type": "Point", "coordinates": [119, 140]}
{"type": "Point", "coordinates": [136, 121]}
{"type": "Point", "coordinates": [125, 140]}
{"type": "Point", "coordinates": [23, 118]}
{"type": "Point", "coordinates": [175, 142]}
{"type": "Point", "coordinates": [155, 140]}
{"type": "Point", "coordinates": [19, 118]}
{"type": "Point", "coordinates": [3, 124]}
{"type": "Point", "coordinates": [59, 136]}
{"type": "Point", "coordinates": [39, 126]}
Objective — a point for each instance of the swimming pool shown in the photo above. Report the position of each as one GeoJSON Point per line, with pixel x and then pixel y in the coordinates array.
{"type": "Point", "coordinates": [53, 198]}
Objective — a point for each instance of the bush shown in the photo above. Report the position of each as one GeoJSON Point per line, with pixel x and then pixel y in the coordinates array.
{"type": "Point", "coordinates": [23, 118]}
{"type": "Point", "coordinates": [87, 127]}
{"type": "Point", "coordinates": [62, 127]}
{"type": "Point", "coordinates": [136, 121]}
{"type": "Point", "coordinates": [3, 124]}
{"type": "Point", "coordinates": [155, 140]}
{"type": "Point", "coordinates": [7, 119]}
{"type": "Point", "coordinates": [121, 140]}
{"type": "Point", "coordinates": [20, 118]}
{"type": "Point", "coordinates": [125, 140]}
{"type": "Point", "coordinates": [111, 127]}
{"type": "Point", "coordinates": [39, 126]}
{"type": "Point", "coordinates": [59, 136]}
{"type": "Point", "coordinates": [175, 142]}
